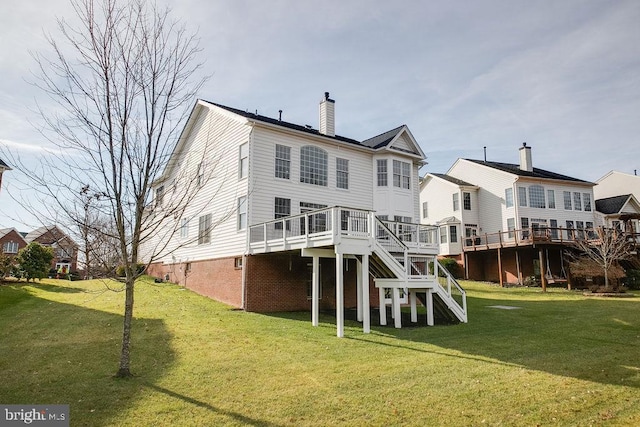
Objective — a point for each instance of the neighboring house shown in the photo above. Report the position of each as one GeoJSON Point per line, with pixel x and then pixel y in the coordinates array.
{"type": "Point", "coordinates": [504, 222]}
{"type": "Point", "coordinates": [65, 250]}
{"type": "Point", "coordinates": [313, 215]}
{"type": "Point", "coordinates": [3, 167]}
{"type": "Point", "coordinates": [617, 183]}
{"type": "Point", "coordinates": [617, 195]}
{"type": "Point", "coordinates": [11, 241]}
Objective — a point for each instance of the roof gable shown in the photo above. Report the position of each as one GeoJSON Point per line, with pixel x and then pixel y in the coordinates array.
{"type": "Point", "coordinates": [48, 235]}
{"type": "Point", "coordinates": [618, 205]}
{"type": "Point", "coordinates": [398, 139]}
{"type": "Point", "coordinates": [5, 231]}
{"type": "Point", "coordinates": [4, 166]}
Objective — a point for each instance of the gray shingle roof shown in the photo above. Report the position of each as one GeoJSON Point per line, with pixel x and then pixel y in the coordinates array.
{"type": "Point", "coordinates": [374, 143]}
{"type": "Point", "coordinates": [453, 180]}
{"type": "Point", "coordinates": [536, 173]}
{"type": "Point", "coordinates": [383, 139]}
{"type": "Point", "coordinates": [612, 205]}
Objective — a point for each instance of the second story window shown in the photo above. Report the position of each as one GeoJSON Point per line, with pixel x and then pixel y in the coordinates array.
{"type": "Point", "coordinates": [382, 172]}
{"type": "Point", "coordinates": [283, 161]}
{"type": "Point", "coordinates": [243, 165]}
{"type": "Point", "coordinates": [586, 198]}
{"type": "Point", "coordinates": [508, 197]}
{"type": "Point", "coordinates": [566, 195]}
{"type": "Point", "coordinates": [342, 173]}
{"type": "Point", "coordinates": [456, 202]}
{"type": "Point", "coordinates": [522, 196]}
{"type": "Point", "coordinates": [577, 201]}
{"type": "Point", "coordinates": [536, 197]}
{"type": "Point", "coordinates": [425, 210]}
{"type": "Point", "coordinates": [551, 199]}
{"type": "Point", "coordinates": [466, 201]}
{"type": "Point", "coordinates": [10, 247]}
{"type": "Point", "coordinates": [401, 174]}
{"type": "Point", "coordinates": [313, 165]}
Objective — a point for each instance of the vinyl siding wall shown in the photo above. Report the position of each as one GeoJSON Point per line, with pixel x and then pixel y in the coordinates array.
{"type": "Point", "coordinates": [265, 187]}
{"type": "Point", "coordinates": [215, 137]}
{"type": "Point", "coordinates": [393, 201]}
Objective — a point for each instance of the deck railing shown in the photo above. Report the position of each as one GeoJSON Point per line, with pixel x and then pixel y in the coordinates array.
{"type": "Point", "coordinates": [532, 235]}
{"type": "Point", "coordinates": [344, 222]}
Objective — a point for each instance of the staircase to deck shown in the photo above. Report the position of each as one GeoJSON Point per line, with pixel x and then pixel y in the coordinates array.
{"type": "Point", "coordinates": [395, 265]}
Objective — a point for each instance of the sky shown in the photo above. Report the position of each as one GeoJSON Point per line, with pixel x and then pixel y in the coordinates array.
{"type": "Point", "coordinates": [563, 76]}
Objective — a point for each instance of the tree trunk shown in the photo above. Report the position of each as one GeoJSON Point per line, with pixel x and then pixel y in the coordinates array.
{"type": "Point", "coordinates": [125, 359]}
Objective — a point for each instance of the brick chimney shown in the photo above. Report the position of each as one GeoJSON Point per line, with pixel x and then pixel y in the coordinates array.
{"type": "Point", "coordinates": [526, 164]}
{"type": "Point", "coordinates": [327, 116]}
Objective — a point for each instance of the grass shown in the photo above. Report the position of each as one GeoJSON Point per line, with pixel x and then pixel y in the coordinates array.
{"type": "Point", "coordinates": [560, 359]}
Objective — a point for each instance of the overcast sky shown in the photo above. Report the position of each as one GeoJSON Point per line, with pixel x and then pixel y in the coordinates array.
{"type": "Point", "coordinates": [564, 76]}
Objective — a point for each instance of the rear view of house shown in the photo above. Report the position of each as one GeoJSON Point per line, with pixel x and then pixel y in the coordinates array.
{"type": "Point", "coordinates": [288, 217]}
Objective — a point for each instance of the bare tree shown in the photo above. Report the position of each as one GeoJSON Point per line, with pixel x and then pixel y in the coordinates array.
{"type": "Point", "coordinates": [121, 79]}
{"type": "Point", "coordinates": [602, 250]}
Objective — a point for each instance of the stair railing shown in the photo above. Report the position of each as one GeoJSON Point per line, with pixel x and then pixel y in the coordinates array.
{"type": "Point", "coordinates": [452, 288]}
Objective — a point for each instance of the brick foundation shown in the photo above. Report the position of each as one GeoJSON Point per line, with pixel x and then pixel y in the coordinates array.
{"type": "Point", "coordinates": [274, 282]}
{"type": "Point", "coordinates": [215, 278]}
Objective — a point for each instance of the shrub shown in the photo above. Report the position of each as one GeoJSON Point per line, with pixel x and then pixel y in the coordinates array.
{"type": "Point", "coordinates": [139, 270]}
{"type": "Point", "coordinates": [632, 281]}
{"type": "Point", "coordinates": [452, 267]}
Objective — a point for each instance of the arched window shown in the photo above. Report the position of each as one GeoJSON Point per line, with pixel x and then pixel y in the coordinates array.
{"type": "Point", "coordinates": [313, 165]}
{"type": "Point", "coordinates": [536, 197]}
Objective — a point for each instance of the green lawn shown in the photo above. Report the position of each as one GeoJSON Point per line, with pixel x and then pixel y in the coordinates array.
{"type": "Point", "coordinates": [561, 359]}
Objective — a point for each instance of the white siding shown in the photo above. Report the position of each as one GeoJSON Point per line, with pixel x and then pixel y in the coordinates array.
{"type": "Point", "coordinates": [617, 184]}
{"type": "Point", "coordinates": [393, 201]}
{"type": "Point", "coordinates": [215, 138]}
{"type": "Point", "coordinates": [491, 209]}
{"type": "Point", "coordinates": [438, 194]}
{"type": "Point", "coordinates": [265, 186]}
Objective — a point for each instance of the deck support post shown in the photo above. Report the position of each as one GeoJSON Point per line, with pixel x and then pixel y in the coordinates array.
{"type": "Point", "coordinates": [359, 286]}
{"type": "Point", "coordinates": [500, 267]}
{"type": "Point", "coordinates": [315, 290]}
{"type": "Point", "coordinates": [366, 309]}
{"type": "Point", "coordinates": [429, 307]}
{"type": "Point", "coordinates": [518, 268]}
{"type": "Point", "coordinates": [340, 294]}
{"type": "Point", "coordinates": [395, 307]}
{"type": "Point", "coordinates": [383, 307]}
{"type": "Point", "coordinates": [543, 269]}
{"type": "Point", "coordinates": [414, 308]}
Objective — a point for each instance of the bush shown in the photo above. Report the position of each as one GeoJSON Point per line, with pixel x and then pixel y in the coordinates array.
{"type": "Point", "coordinates": [140, 269]}
{"type": "Point", "coordinates": [452, 267]}
{"type": "Point", "coordinates": [632, 281]}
